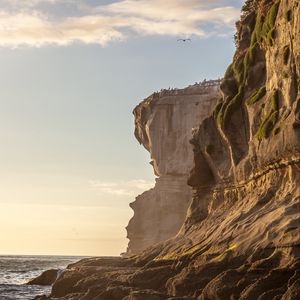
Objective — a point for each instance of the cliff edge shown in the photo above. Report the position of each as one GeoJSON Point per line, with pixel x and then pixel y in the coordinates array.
{"type": "Point", "coordinates": [240, 239]}
{"type": "Point", "coordinates": [163, 125]}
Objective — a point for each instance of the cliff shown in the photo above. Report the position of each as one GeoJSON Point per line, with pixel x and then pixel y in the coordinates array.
{"type": "Point", "coordinates": [240, 239]}
{"type": "Point", "coordinates": [163, 125]}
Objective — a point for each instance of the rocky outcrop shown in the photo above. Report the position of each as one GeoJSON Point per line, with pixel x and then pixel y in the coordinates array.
{"type": "Point", "coordinates": [241, 238]}
{"type": "Point", "coordinates": [164, 123]}
{"type": "Point", "coordinates": [46, 278]}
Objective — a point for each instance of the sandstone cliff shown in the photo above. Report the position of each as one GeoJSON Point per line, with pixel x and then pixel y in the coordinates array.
{"type": "Point", "coordinates": [164, 123]}
{"type": "Point", "coordinates": [241, 237]}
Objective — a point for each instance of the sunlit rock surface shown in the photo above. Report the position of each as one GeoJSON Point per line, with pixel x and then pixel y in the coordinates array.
{"type": "Point", "coordinates": [240, 239]}
{"type": "Point", "coordinates": [164, 123]}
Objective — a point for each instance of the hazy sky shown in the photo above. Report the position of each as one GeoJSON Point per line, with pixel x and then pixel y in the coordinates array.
{"type": "Point", "coordinates": [71, 73]}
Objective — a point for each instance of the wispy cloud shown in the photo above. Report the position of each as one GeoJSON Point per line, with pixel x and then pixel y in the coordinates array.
{"type": "Point", "coordinates": [29, 3]}
{"type": "Point", "coordinates": [37, 30]}
{"type": "Point", "coordinates": [122, 188]}
{"type": "Point", "coordinates": [26, 24]}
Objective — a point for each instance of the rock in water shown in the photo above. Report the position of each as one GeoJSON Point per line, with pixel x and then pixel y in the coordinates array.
{"type": "Point", "coordinates": [46, 278]}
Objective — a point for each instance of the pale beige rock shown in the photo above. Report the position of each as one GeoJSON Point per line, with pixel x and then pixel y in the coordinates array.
{"type": "Point", "coordinates": [164, 123]}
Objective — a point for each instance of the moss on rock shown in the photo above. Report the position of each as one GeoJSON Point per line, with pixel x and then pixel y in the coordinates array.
{"type": "Point", "coordinates": [257, 96]}
{"type": "Point", "coordinates": [270, 120]}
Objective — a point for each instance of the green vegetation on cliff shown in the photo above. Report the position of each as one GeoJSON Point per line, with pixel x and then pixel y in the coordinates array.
{"type": "Point", "coordinates": [262, 32]}
{"type": "Point", "coordinates": [270, 119]}
{"type": "Point", "coordinates": [257, 95]}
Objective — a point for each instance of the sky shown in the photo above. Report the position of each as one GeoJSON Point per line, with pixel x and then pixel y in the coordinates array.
{"type": "Point", "coordinates": [71, 73]}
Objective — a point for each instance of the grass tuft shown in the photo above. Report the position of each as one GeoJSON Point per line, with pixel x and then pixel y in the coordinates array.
{"type": "Point", "coordinates": [271, 37]}
{"type": "Point", "coordinates": [257, 96]}
{"type": "Point", "coordinates": [234, 104]}
{"type": "Point", "coordinates": [270, 119]}
{"type": "Point", "coordinates": [268, 29]}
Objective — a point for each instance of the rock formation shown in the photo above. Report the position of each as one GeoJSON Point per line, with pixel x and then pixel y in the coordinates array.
{"type": "Point", "coordinates": [164, 123]}
{"type": "Point", "coordinates": [241, 237]}
{"type": "Point", "coordinates": [46, 278]}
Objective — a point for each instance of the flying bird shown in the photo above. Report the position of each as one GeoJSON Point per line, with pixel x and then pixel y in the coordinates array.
{"type": "Point", "coordinates": [184, 40]}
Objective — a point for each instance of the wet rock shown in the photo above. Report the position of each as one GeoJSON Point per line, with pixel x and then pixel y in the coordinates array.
{"type": "Point", "coordinates": [46, 278]}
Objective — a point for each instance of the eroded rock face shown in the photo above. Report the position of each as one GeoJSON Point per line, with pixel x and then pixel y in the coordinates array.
{"type": "Point", "coordinates": [242, 230]}
{"type": "Point", "coordinates": [164, 123]}
{"type": "Point", "coordinates": [241, 238]}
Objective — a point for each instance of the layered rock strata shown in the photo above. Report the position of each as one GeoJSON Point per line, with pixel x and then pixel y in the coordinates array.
{"type": "Point", "coordinates": [163, 125]}
{"type": "Point", "coordinates": [241, 239]}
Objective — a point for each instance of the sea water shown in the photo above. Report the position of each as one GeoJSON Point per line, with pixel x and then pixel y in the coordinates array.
{"type": "Point", "coordinates": [15, 271]}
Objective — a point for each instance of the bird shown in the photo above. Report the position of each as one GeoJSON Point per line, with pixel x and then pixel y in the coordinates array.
{"type": "Point", "coordinates": [184, 40]}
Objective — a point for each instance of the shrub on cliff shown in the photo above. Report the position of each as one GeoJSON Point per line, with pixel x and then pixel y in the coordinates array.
{"type": "Point", "coordinates": [248, 7]}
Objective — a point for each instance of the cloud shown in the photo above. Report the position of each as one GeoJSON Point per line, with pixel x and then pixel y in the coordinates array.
{"type": "Point", "coordinates": [113, 22]}
{"type": "Point", "coordinates": [183, 11]}
{"type": "Point", "coordinates": [122, 188]}
{"type": "Point", "coordinates": [28, 3]}
{"type": "Point", "coordinates": [37, 30]}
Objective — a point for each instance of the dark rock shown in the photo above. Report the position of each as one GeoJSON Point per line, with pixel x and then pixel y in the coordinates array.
{"type": "Point", "coordinates": [46, 278]}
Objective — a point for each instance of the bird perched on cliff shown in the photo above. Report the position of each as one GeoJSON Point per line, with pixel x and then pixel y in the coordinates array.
{"type": "Point", "coordinates": [184, 40]}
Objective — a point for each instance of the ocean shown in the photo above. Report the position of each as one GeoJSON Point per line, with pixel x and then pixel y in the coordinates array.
{"type": "Point", "coordinates": [17, 270]}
